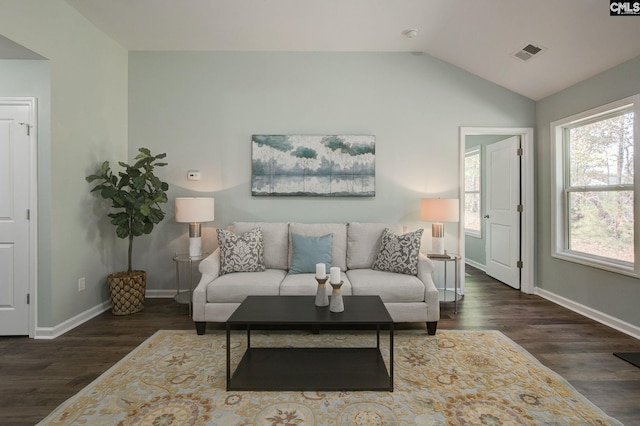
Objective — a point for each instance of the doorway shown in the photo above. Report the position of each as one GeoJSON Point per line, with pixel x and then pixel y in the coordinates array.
{"type": "Point", "coordinates": [518, 252]}
{"type": "Point", "coordinates": [17, 216]}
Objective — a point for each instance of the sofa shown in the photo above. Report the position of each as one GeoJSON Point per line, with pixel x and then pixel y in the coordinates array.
{"type": "Point", "coordinates": [269, 259]}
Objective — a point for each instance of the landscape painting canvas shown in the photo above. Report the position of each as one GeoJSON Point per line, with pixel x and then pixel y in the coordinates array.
{"type": "Point", "coordinates": [324, 166]}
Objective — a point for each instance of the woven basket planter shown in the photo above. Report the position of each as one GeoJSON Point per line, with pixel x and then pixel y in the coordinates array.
{"type": "Point", "coordinates": [127, 292]}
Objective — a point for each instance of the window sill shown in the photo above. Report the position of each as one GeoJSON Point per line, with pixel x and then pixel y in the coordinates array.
{"type": "Point", "coordinates": [608, 266]}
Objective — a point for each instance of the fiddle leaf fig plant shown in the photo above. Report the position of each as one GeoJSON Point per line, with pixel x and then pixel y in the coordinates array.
{"type": "Point", "coordinates": [135, 194]}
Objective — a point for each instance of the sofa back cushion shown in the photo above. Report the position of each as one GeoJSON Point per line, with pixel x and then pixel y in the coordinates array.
{"type": "Point", "coordinates": [363, 242]}
{"type": "Point", "coordinates": [275, 236]}
{"type": "Point", "coordinates": [339, 243]}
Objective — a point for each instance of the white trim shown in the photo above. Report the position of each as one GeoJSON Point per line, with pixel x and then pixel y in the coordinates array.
{"type": "Point", "coordinates": [159, 294]}
{"type": "Point", "coordinates": [81, 318]}
{"type": "Point", "coordinates": [602, 318]}
{"type": "Point", "coordinates": [71, 323]}
{"type": "Point", "coordinates": [528, 224]}
{"type": "Point", "coordinates": [559, 231]}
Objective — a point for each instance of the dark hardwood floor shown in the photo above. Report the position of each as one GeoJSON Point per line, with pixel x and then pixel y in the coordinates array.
{"type": "Point", "coordinates": [37, 375]}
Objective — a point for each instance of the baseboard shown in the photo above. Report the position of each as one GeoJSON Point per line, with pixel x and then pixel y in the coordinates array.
{"type": "Point", "coordinates": [608, 320]}
{"type": "Point", "coordinates": [71, 323]}
{"type": "Point", "coordinates": [476, 265]}
{"type": "Point", "coordinates": [81, 318]}
{"type": "Point", "coordinates": [159, 294]}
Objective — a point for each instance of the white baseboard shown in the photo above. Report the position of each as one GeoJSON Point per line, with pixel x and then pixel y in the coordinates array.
{"type": "Point", "coordinates": [71, 323]}
{"type": "Point", "coordinates": [476, 265]}
{"type": "Point", "coordinates": [81, 318]}
{"type": "Point", "coordinates": [159, 294]}
{"type": "Point", "coordinates": [608, 320]}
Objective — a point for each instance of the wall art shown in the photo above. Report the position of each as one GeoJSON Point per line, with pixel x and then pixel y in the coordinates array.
{"type": "Point", "coordinates": [319, 166]}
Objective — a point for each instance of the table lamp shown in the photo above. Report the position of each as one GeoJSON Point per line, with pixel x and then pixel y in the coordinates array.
{"type": "Point", "coordinates": [439, 210]}
{"type": "Point", "coordinates": [194, 211]}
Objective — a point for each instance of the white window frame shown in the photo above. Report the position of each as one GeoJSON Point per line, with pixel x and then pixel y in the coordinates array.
{"type": "Point", "coordinates": [476, 150]}
{"type": "Point", "coordinates": [559, 218]}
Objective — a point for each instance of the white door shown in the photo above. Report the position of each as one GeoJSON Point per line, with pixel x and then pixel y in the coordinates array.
{"type": "Point", "coordinates": [15, 183]}
{"type": "Point", "coordinates": [502, 218]}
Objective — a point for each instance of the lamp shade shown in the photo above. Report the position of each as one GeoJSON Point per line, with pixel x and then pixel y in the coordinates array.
{"type": "Point", "coordinates": [194, 209]}
{"type": "Point", "coordinates": [440, 210]}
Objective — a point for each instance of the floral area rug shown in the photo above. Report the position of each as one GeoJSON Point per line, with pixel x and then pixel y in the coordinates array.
{"type": "Point", "coordinates": [453, 378]}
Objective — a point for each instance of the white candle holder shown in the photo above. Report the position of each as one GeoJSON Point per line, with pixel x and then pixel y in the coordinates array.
{"type": "Point", "coordinates": [337, 304]}
{"type": "Point", "coordinates": [322, 298]}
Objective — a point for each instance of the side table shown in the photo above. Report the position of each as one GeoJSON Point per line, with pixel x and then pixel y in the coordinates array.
{"type": "Point", "coordinates": [444, 293]}
{"type": "Point", "coordinates": [185, 295]}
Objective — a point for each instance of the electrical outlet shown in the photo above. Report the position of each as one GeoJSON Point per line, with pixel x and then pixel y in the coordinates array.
{"type": "Point", "coordinates": [81, 284]}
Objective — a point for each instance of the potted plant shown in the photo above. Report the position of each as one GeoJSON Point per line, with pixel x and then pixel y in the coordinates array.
{"type": "Point", "coordinates": [135, 194]}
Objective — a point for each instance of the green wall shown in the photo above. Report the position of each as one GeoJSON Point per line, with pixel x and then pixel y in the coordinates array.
{"type": "Point", "coordinates": [83, 121]}
{"type": "Point", "coordinates": [608, 293]}
{"type": "Point", "coordinates": [202, 108]}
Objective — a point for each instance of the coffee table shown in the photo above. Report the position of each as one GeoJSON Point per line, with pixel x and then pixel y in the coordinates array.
{"type": "Point", "coordinates": [310, 369]}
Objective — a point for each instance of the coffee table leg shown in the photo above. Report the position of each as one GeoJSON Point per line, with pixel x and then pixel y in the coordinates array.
{"type": "Point", "coordinates": [248, 337]}
{"type": "Point", "coordinates": [391, 358]}
{"type": "Point", "coordinates": [228, 356]}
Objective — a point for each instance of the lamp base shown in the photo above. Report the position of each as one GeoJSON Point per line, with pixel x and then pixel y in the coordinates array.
{"type": "Point", "coordinates": [437, 245]}
{"type": "Point", "coordinates": [195, 247]}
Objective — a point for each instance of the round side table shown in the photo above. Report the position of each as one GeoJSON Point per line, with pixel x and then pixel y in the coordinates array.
{"type": "Point", "coordinates": [443, 292]}
{"type": "Point", "coordinates": [185, 295]}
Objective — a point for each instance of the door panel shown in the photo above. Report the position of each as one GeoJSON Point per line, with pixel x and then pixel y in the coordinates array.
{"type": "Point", "coordinates": [14, 225]}
{"type": "Point", "coordinates": [502, 217]}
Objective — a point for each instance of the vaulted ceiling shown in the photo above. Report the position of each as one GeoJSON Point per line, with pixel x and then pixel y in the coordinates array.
{"type": "Point", "coordinates": [577, 38]}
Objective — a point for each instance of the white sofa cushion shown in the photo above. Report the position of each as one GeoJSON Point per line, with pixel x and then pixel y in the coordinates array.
{"type": "Point", "coordinates": [306, 285]}
{"type": "Point", "coordinates": [339, 231]}
{"type": "Point", "coordinates": [275, 236]}
{"type": "Point", "coordinates": [390, 286]}
{"type": "Point", "coordinates": [363, 242]}
{"type": "Point", "coordinates": [236, 286]}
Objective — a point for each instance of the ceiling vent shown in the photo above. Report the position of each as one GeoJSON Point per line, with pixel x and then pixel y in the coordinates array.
{"type": "Point", "coordinates": [528, 52]}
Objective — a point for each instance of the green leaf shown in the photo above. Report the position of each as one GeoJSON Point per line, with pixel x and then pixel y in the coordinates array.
{"type": "Point", "coordinates": [108, 192]}
{"type": "Point", "coordinates": [148, 227]}
{"type": "Point", "coordinates": [122, 231]}
{"type": "Point", "coordinates": [144, 209]}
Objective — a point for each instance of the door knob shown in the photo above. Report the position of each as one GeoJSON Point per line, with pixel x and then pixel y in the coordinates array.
{"type": "Point", "coordinates": [486, 216]}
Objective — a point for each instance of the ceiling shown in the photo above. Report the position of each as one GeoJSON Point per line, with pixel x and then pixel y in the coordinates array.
{"type": "Point", "coordinates": [12, 50]}
{"type": "Point", "coordinates": [578, 37]}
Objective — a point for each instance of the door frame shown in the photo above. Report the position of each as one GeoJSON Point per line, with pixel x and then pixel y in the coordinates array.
{"type": "Point", "coordinates": [527, 196]}
{"type": "Point", "coordinates": [32, 104]}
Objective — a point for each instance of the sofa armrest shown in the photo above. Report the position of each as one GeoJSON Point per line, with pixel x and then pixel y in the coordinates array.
{"type": "Point", "coordinates": [431, 295]}
{"type": "Point", "coordinates": [210, 270]}
{"type": "Point", "coordinates": [210, 265]}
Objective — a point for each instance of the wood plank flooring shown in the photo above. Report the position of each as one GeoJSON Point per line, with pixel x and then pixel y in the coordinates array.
{"type": "Point", "coordinates": [38, 375]}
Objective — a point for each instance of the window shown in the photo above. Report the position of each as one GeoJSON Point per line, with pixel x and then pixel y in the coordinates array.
{"type": "Point", "coordinates": [472, 195]}
{"type": "Point", "coordinates": [595, 222]}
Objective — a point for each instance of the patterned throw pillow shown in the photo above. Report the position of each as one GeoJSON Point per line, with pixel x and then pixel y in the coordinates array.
{"type": "Point", "coordinates": [241, 253]}
{"type": "Point", "coordinates": [399, 253]}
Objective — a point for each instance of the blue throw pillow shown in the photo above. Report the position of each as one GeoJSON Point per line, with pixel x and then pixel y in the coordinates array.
{"type": "Point", "coordinates": [307, 251]}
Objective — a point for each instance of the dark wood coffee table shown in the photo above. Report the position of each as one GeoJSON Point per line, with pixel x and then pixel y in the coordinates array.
{"type": "Point", "coordinates": [311, 369]}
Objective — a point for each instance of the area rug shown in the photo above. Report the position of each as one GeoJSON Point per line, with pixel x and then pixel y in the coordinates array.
{"type": "Point", "coordinates": [453, 378]}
